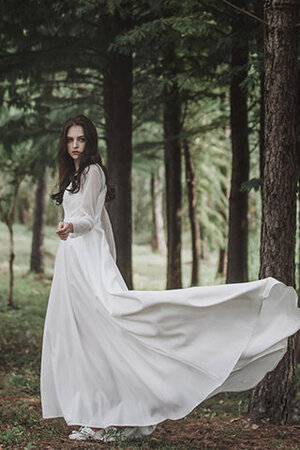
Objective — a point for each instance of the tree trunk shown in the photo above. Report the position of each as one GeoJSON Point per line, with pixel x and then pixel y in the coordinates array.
{"type": "Point", "coordinates": [117, 91]}
{"type": "Point", "coordinates": [8, 218]}
{"type": "Point", "coordinates": [222, 262]}
{"type": "Point", "coordinates": [262, 128]}
{"type": "Point", "coordinates": [192, 200]}
{"type": "Point", "coordinates": [203, 244]}
{"type": "Point", "coordinates": [273, 397]}
{"type": "Point", "coordinates": [7, 214]}
{"type": "Point", "coordinates": [259, 11]}
{"type": "Point", "coordinates": [223, 257]}
{"type": "Point", "coordinates": [158, 242]}
{"type": "Point", "coordinates": [10, 301]}
{"type": "Point", "coordinates": [172, 129]}
{"type": "Point", "coordinates": [37, 256]}
{"type": "Point", "coordinates": [237, 267]}
{"type": "Point", "coordinates": [298, 166]}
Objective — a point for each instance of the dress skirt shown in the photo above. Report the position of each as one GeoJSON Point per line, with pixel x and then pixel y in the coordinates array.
{"type": "Point", "coordinates": [113, 356]}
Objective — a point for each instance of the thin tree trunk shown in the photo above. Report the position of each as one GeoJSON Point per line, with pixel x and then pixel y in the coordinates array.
{"type": "Point", "coordinates": [21, 212]}
{"type": "Point", "coordinates": [192, 200]}
{"type": "Point", "coordinates": [117, 90]}
{"type": "Point", "coordinates": [262, 128]}
{"type": "Point", "coordinates": [298, 262]}
{"type": "Point", "coordinates": [10, 301]}
{"type": "Point", "coordinates": [37, 256]}
{"type": "Point", "coordinates": [273, 397]}
{"type": "Point", "coordinates": [223, 257]}
{"type": "Point", "coordinates": [203, 243]}
{"type": "Point", "coordinates": [298, 166]}
{"type": "Point", "coordinates": [8, 218]}
{"type": "Point", "coordinates": [222, 262]}
{"type": "Point", "coordinates": [158, 242]}
{"type": "Point", "coordinates": [172, 129]}
{"type": "Point", "coordinates": [259, 10]}
{"type": "Point", "coordinates": [237, 267]}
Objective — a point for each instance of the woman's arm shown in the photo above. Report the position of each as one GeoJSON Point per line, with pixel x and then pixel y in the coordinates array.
{"type": "Point", "coordinates": [64, 229]}
{"type": "Point", "coordinates": [93, 185]}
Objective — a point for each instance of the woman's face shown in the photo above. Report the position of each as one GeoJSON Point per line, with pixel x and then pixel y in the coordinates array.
{"type": "Point", "coordinates": [76, 141]}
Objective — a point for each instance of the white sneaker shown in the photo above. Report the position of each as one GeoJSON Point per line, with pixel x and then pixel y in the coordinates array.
{"type": "Point", "coordinates": [113, 434]}
{"type": "Point", "coordinates": [136, 432]}
{"type": "Point", "coordinates": [98, 436]}
{"type": "Point", "coordinates": [86, 433]}
{"type": "Point", "coordinates": [116, 434]}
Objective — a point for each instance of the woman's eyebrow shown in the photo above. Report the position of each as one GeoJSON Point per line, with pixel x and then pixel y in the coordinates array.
{"type": "Point", "coordinates": [77, 136]}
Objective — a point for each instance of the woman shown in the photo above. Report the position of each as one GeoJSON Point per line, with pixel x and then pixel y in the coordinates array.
{"type": "Point", "coordinates": [116, 361]}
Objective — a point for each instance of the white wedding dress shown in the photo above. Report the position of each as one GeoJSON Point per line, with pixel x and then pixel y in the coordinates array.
{"type": "Point", "coordinates": [113, 356]}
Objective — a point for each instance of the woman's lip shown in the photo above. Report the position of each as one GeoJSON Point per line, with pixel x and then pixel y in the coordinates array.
{"type": "Point", "coordinates": [75, 153]}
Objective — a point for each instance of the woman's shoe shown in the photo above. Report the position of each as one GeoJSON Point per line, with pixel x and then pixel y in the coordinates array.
{"type": "Point", "coordinates": [117, 434]}
{"type": "Point", "coordinates": [86, 433]}
{"type": "Point", "coordinates": [113, 434]}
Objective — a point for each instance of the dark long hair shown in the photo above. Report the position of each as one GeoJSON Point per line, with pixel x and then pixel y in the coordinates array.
{"type": "Point", "coordinates": [90, 155]}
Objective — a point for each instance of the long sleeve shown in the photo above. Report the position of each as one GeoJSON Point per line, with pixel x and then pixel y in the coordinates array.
{"type": "Point", "coordinates": [109, 233]}
{"type": "Point", "coordinates": [93, 184]}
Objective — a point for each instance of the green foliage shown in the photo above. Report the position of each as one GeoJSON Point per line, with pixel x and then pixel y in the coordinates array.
{"type": "Point", "coordinates": [14, 435]}
{"type": "Point", "coordinates": [254, 183]}
{"type": "Point", "coordinates": [50, 84]}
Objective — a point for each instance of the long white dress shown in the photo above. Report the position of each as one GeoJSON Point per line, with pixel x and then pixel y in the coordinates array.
{"type": "Point", "coordinates": [113, 356]}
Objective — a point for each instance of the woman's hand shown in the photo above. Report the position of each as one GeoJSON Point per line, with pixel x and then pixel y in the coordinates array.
{"type": "Point", "coordinates": [63, 230]}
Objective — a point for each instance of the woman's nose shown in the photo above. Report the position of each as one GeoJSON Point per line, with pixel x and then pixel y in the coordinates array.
{"type": "Point", "coordinates": [75, 143]}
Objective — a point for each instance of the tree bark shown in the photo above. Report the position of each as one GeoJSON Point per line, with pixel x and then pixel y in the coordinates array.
{"type": "Point", "coordinates": [10, 299]}
{"type": "Point", "coordinates": [273, 397]}
{"type": "Point", "coordinates": [298, 167]}
{"type": "Point", "coordinates": [262, 128]}
{"type": "Point", "coordinates": [7, 215]}
{"type": "Point", "coordinates": [172, 129]}
{"type": "Point", "coordinates": [259, 11]}
{"type": "Point", "coordinates": [117, 91]}
{"type": "Point", "coordinates": [37, 255]}
{"type": "Point", "coordinates": [237, 267]}
{"type": "Point", "coordinates": [221, 270]}
{"type": "Point", "coordinates": [158, 242]}
{"type": "Point", "coordinates": [192, 201]}
{"type": "Point", "coordinates": [223, 256]}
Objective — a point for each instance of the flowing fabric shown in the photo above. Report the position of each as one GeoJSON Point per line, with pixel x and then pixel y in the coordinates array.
{"type": "Point", "coordinates": [113, 356]}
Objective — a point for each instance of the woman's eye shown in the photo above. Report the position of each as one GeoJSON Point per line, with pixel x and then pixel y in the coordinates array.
{"type": "Point", "coordinates": [82, 139]}
{"type": "Point", "coordinates": [69, 140]}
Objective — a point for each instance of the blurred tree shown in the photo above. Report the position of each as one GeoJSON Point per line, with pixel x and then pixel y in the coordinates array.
{"type": "Point", "coordinates": [237, 266]}
{"type": "Point", "coordinates": [37, 254]}
{"type": "Point", "coordinates": [117, 95]}
{"type": "Point", "coordinates": [16, 162]}
{"type": "Point", "coordinates": [158, 242]}
{"type": "Point", "coordinates": [192, 201]}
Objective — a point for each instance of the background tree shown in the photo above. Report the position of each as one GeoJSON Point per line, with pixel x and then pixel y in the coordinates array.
{"type": "Point", "coordinates": [237, 266]}
{"type": "Point", "coordinates": [273, 397]}
{"type": "Point", "coordinates": [16, 163]}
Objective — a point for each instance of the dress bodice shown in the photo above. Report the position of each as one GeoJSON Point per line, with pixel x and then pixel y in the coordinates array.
{"type": "Point", "coordinates": [85, 209]}
{"type": "Point", "coordinates": [90, 197]}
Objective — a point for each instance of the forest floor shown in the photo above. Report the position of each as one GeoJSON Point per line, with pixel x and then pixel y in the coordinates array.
{"type": "Point", "coordinates": [219, 423]}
